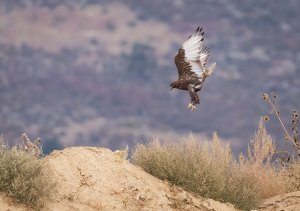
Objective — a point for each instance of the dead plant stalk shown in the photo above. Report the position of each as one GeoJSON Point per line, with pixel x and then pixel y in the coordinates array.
{"type": "Point", "coordinates": [279, 118]}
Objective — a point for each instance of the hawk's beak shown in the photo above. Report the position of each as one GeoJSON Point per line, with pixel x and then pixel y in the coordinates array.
{"type": "Point", "coordinates": [170, 88]}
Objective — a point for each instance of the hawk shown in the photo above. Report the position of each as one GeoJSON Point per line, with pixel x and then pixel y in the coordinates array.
{"type": "Point", "coordinates": [191, 60]}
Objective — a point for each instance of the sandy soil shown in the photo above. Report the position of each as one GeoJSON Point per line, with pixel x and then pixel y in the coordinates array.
{"type": "Point", "coordinates": [92, 178]}
{"type": "Point", "coordinates": [286, 202]}
{"type": "Point", "coordinates": [99, 179]}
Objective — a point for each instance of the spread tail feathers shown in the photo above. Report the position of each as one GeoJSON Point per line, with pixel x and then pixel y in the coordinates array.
{"type": "Point", "coordinates": [209, 70]}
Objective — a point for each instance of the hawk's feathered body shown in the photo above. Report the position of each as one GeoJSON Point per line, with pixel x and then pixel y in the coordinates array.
{"type": "Point", "coordinates": [191, 60]}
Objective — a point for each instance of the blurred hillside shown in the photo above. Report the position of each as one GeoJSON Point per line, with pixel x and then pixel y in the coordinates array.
{"type": "Point", "coordinates": [92, 72]}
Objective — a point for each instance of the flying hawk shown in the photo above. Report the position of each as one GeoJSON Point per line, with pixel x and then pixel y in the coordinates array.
{"type": "Point", "coordinates": [191, 60]}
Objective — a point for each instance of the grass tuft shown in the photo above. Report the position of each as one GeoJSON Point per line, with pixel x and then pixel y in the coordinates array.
{"type": "Point", "coordinates": [210, 170]}
{"type": "Point", "coordinates": [24, 177]}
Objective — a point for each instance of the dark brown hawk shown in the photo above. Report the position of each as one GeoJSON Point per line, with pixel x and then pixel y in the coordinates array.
{"type": "Point", "coordinates": [191, 61]}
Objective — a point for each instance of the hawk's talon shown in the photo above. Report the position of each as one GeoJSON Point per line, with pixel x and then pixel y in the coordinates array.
{"type": "Point", "coordinates": [192, 107]}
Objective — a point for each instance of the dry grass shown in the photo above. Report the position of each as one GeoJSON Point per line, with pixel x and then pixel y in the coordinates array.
{"type": "Point", "coordinates": [258, 164]}
{"type": "Point", "coordinates": [24, 177]}
{"type": "Point", "coordinates": [210, 170]}
{"type": "Point", "coordinates": [292, 175]}
{"type": "Point", "coordinates": [288, 159]}
{"type": "Point", "coordinates": [292, 136]}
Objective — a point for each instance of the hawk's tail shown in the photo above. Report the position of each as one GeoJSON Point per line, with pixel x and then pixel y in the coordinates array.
{"type": "Point", "coordinates": [209, 70]}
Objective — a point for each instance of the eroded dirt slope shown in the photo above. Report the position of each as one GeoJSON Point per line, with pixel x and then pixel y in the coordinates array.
{"type": "Point", "coordinates": [286, 202]}
{"type": "Point", "coordinates": [92, 179]}
{"type": "Point", "coordinates": [99, 179]}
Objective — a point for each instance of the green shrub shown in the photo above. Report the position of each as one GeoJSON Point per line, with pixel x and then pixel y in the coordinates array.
{"type": "Point", "coordinates": [24, 177]}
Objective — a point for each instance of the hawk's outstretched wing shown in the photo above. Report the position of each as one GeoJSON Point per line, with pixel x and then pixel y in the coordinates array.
{"type": "Point", "coordinates": [192, 57]}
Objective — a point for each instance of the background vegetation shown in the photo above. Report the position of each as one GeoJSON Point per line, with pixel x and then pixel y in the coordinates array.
{"type": "Point", "coordinates": [210, 169]}
{"type": "Point", "coordinates": [111, 64]}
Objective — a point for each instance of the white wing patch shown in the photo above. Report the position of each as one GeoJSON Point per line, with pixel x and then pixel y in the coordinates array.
{"type": "Point", "coordinates": [192, 47]}
{"type": "Point", "coordinates": [204, 56]}
{"type": "Point", "coordinates": [195, 53]}
{"type": "Point", "coordinates": [196, 68]}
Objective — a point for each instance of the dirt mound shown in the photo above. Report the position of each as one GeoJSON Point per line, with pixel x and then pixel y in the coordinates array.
{"type": "Point", "coordinates": [286, 202]}
{"type": "Point", "coordinates": [98, 179]}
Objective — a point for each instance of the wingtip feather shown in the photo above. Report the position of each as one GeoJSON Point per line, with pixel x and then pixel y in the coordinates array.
{"type": "Point", "coordinates": [211, 68]}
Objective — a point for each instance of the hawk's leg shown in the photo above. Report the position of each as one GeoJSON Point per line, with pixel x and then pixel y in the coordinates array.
{"type": "Point", "coordinates": [194, 97]}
